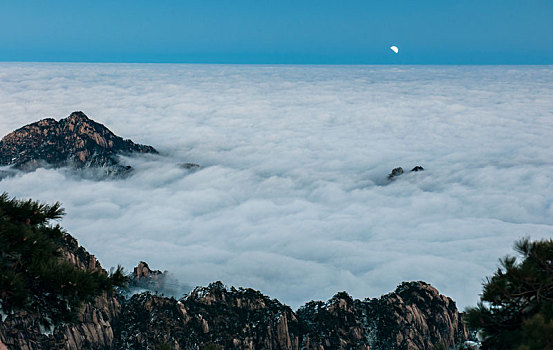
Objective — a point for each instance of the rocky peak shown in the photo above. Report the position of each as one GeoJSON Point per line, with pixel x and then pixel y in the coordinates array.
{"type": "Point", "coordinates": [76, 117]}
{"type": "Point", "coordinates": [216, 294]}
{"type": "Point", "coordinates": [146, 279]}
{"type": "Point", "coordinates": [399, 171]}
{"type": "Point", "coordinates": [340, 301]}
{"type": "Point", "coordinates": [395, 172]}
{"type": "Point", "coordinates": [335, 324]}
{"type": "Point", "coordinates": [229, 317]}
{"type": "Point", "coordinates": [143, 271]}
{"type": "Point", "coordinates": [414, 316]}
{"type": "Point", "coordinates": [75, 141]}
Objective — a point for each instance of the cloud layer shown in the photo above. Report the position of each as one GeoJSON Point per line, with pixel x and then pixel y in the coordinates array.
{"type": "Point", "coordinates": [292, 196]}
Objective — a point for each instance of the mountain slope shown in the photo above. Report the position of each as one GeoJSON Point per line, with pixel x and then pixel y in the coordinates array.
{"type": "Point", "coordinates": [75, 141]}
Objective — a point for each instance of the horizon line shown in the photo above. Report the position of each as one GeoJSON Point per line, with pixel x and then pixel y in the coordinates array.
{"type": "Point", "coordinates": [277, 63]}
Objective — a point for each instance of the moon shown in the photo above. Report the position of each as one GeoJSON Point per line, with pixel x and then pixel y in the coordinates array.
{"type": "Point", "coordinates": [394, 49]}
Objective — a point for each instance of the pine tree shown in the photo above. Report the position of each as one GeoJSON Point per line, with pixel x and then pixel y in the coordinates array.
{"type": "Point", "coordinates": [33, 274]}
{"type": "Point", "coordinates": [516, 307]}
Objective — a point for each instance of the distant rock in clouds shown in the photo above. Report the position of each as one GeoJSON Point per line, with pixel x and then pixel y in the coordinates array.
{"type": "Point", "coordinates": [399, 171]}
{"type": "Point", "coordinates": [76, 141]}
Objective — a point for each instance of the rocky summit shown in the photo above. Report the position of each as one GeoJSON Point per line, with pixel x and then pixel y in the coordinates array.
{"type": "Point", "coordinates": [76, 141]}
{"type": "Point", "coordinates": [413, 317]}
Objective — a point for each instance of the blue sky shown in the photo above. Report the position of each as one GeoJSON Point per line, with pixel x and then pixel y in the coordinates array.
{"type": "Point", "coordinates": [261, 31]}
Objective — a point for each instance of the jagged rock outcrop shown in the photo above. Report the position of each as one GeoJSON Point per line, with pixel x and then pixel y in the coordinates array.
{"type": "Point", "coordinates": [395, 172]}
{"type": "Point", "coordinates": [146, 279]}
{"type": "Point", "coordinates": [415, 316]}
{"type": "Point", "coordinates": [26, 330]}
{"type": "Point", "coordinates": [335, 324]}
{"type": "Point", "coordinates": [399, 171]}
{"type": "Point", "coordinates": [231, 318]}
{"type": "Point", "coordinates": [142, 272]}
{"type": "Point", "coordinates": [75, 141]}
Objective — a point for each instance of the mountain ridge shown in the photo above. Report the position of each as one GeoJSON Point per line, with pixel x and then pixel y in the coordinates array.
{"type": "Point", "coordinates": [76, 141]}
{"type": "Point", "coordinates": [413, 317]}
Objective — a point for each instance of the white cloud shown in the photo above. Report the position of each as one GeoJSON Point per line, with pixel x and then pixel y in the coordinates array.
{"type": "Point", "coordinates": [292, 196]}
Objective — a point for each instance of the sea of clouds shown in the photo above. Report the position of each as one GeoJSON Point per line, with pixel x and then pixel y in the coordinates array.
{"type": "Point", "coordinates": [292, 197]}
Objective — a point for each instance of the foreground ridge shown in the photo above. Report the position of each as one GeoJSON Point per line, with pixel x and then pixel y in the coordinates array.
{"type": "Point", "coordinates": [75, 141]}
{"type": "Point", "coordinates": [413, 317]}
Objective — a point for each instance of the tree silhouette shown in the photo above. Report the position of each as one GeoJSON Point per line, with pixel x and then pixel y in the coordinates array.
{"type": "Point", "coordinates": [516, 307]}
{"type": "Point", "coordinates": [34, 276]}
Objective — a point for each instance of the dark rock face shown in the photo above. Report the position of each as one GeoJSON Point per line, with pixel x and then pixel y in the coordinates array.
{"type": "Point", "coordinates": [395, 172]}
{"type": "Point", "coordinates": [75, 141]}
{"type": "Point", "coordinates": [336, 324]}
{"type": "Point", "coordinates": [232, 318]}
{"type": "Point", "coordinates": [142, 272]}
{"type": "Point", "coordinates": [146, 279]}
{"type": "Point", "coordinates": [24, 330]}
{"type": "Point", "coordinates": [399, 171]}
{"type": "Point", "coordinates": [415, 316]}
